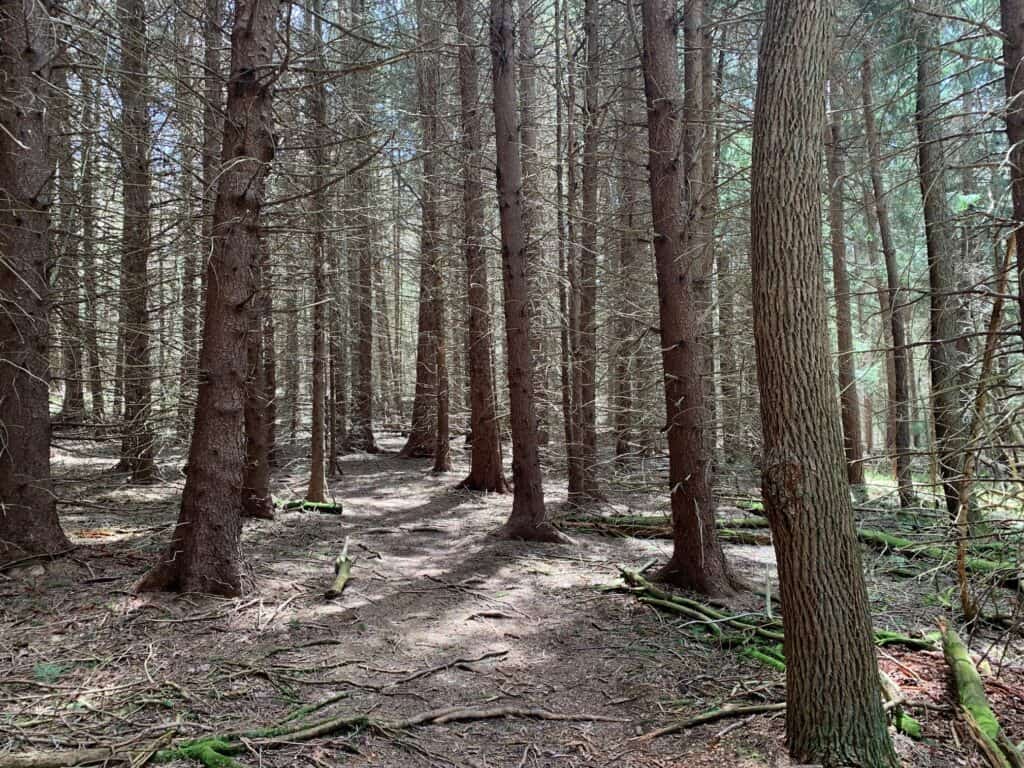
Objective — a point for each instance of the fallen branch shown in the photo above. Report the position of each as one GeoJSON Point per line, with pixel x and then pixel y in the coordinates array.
{"type": "Point", "coordinates": [712, 716]}
{"type": "Point", "coordinates": [324, 507]}
{"type": "Point", "coordinates": [342, 568]}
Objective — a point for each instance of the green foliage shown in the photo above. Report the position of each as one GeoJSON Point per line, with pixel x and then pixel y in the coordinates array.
{"type": "Point", "coordinates": [48, 672]}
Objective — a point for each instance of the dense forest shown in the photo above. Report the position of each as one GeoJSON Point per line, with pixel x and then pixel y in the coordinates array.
{"type": "Point", "coordinates": [519, 383]}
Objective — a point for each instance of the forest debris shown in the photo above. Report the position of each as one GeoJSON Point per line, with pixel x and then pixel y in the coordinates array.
{"type": "Point", "coordinates": [342, 570]}
{"type": "Point", "coordinates": [218, 751]}
{"type": "Point", "coordinates": [978, 713]}
{"type": "Point", "coordinates": [324, 507]}
{"type": "Point", "coordinates": [894, 702]}
{"type": "Point", "coordinates": [713, 715]}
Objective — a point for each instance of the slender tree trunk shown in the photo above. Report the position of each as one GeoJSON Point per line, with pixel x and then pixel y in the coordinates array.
{"type": "Point", "coordinates": [28, 524]}
{"type": "Point", "coordinates": [317, 105]}
{"type": "Point", "coordinates": [528, 519]}
{"type": "Point", "coordinates": [204, 555]}
{"type": "Point", "coordinates": [421, 440]}
{"type": "Point", "coordinates": [586, 370]}
{"type": "Point", "coordinates": [900, 352]}
{"type": "Point", "coordinates": [1012, 17]}
{"type": "Point", "coordinates": [269, 355]}
{"type": "Point", "coordinates": [88, 198]}
{"type": "Point", "coordinates": [834, 712]}
{"type": "Point", "coordinates": [256, 499]}
{"type": "Point", "coordinates": [137, 447]}
{"type": "Point", "coordinates": [485, 468]}
{"type": "Point", "coordinates": [942, 354]}
{"type": "Point", "coordinates": [697, 562]}
{"type": "Point", "coordinates": [849, 400]}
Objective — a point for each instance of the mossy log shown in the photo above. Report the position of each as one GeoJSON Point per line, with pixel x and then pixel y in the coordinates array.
{"type": "Point", "coordinates": [970, 693]}
{"type": "Point", "coordinates": [1006, 574]}
{"type": "Point", "coordinates": [324, 507]}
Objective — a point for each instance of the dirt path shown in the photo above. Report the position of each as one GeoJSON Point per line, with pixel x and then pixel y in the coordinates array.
{"type": "Point", "coordinates": [439, 613]}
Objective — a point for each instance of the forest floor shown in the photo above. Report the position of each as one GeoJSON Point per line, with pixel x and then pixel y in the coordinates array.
{"type": "Point", "coordinates": [438, 613]}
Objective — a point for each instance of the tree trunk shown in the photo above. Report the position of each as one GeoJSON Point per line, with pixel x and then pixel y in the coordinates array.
{"type": "Point", "coordinates": [317, 104]}
{"type": "Point", "coordinates": [88, 195]}
{"type": "Point", "coordinates": [528, 519]}
{"type": "Point", "coordinates": [942, 354]}
{"type": "Point", "coordinates": [1012, 16]}
{"type": "Point", "coordinates": [28, 524]}
{"type": "Point", "coordinates": [485, 467]}
{"type": "Point", "coordinates": [834, 712]}
{"type": "Point", "coordinates": [849, 400]}
{"type": "Point", "coordinates": [900, 352]}
{"type": "Point", "coordinates": [697, 562]}
{"type": "Point", "coordinates": [586, 369]}
{"type": "Point", "coordinates": [137, 446]}
{"type": "Point", "coordinates": [256, 499]}
{"type": "Point", "coordinates": [203, 555]}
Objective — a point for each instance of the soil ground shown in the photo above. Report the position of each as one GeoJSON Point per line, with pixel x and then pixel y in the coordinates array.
{"type": "Point", "coordinates": [438, 613]}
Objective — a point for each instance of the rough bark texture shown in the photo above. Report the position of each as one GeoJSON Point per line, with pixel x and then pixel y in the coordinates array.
{"type": "Point", "coordinates": [900, 354]}
{"type": "Point", "coordinates": [942, 354]}
{"type": "Point", "coordinates": [204, 555]}
{"type": "Point", "coordinates": [256, 498]}
{"type": "Point", "coordinates": [28, 514]}
{"type": "Point", "coordinates": [88, 195]}
{"type": "Point", "coordinates": [834, 715]}
{"type": "Point", "coordinates": [485, 469]}
{"type": "Point", "coordinates": [849, 400]}
{"type": "Point", "coordinates": [1012, 16]}
{"type": "Point", "coordinates": [697, 562]}
{"type": "Point", "coordinates": [137, 446]}
{"type": "Point", "coordinates": [528, 517]}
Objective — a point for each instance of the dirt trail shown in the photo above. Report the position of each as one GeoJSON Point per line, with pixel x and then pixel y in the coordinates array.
{"type": "Point", "coordinates": [438, 613]}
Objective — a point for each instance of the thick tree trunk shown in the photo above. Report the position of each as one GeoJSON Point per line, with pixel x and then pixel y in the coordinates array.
{"type": "Point", "coordinates": [900, 352]}
{"type": "Point", "coordinates": [834, 712]}
{"type": "Point", "coordinates": [942, 353]}
{"type": "Point", "coordinates": [421, 440]}
{"type": "Point", "coordinates": [203, 555]}
{"type": "Point", "coordinates": [137, 446]}
{"type": "Point", "coordinates": [849, 400]}
{"type": "Point", "coordinates": [28, 524]}
{"type": "Point", "coordinates": [485, 467]}
{"type": "Point", "coordinates": [697, 562]}
{"type": "Point", "coordinates": [1012, 16]}
{"type": "Point", "coordinates": [528, 519]}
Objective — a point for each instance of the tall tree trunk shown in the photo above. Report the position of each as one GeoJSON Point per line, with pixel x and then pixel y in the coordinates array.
{"type": "Point", "coordinates": [697, 562]}
{"type": "Point", "coordinates": [900, 352]}
{"type": "Point", "coordinates": [942, 354]}
{"type": "Point", "coordinates": [28, 524]}
{"type": "Point", "coordinates": [203, 555]}
{"type": "Point", "coordinates": [317, 105]}
{"type": "Point", "coordinates": [269, 356]}
{"type": "Point", "coordinates": [586, 370]}
{"type": "Point", "coordinates": [88, 198]}
{"type": "Point", "coordinates": [1012, 17]}
{"type": "Point", "coordinates": [137, 447]}
{"type": "Point", "coordinates": [428, 86]}
{"type": "Point", "coordinates": [528, 519]}
{"type": "Point", "coordinates": [849, 400]}
{"type": "Point", "coordinates": [485, 467]}
{"type": "Point", "coordinates": [834, 712]}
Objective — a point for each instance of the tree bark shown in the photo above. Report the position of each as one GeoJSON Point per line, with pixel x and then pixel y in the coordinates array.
{"type": "Point", "coordinates": [28, 524]}
{"type": "Point", "coordinates": [942, 354]}
{"type": "Point", "coordinates": [834, 712]}
{"type": "Point", "coordinates": [697, 562]}
{"type": "Point", "coordinates": [1012, 17]}
{"type": "Point", "coordinates": [485, 466]}
{"type": "Point", "coordinates": [137, 446]}
{"type": "Point", "coordinates": [203, 555]}
{"type": "Point", "coordinates": [256, 499]}
{"type": "Point", "coordinates": [528, 519]}
{"type": "Point", "coordinates": [900, 353]}
{"type": "Point", "coordinates": [88, 198]}
{"type": "Point", "coordinates": [849, 401]}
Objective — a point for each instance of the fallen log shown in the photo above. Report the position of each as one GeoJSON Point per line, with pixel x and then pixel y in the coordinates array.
{"type": "Point", "coordinates": [342, 569]}
{"type": "Point", "coordinates": [978, 713]}
{"type": "Point", "coordinates": [324, 507]}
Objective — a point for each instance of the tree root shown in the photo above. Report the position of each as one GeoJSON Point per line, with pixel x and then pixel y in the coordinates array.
{"type": "Point", "coordinates": [219, 751]}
